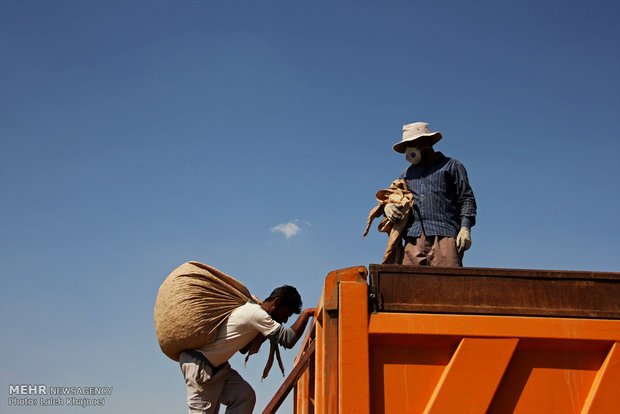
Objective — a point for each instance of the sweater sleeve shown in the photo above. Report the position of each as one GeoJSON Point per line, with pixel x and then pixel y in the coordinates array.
{"type": "Point", "coordinates": [284, 336]}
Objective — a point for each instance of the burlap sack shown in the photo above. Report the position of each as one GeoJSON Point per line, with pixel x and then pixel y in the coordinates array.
{"type": "Point", "coordinates": [398, 194]}
{"type": "Point", "coordinates": [192, 302]}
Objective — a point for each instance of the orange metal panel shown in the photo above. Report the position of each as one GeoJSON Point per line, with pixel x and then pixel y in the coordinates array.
{"type": "Point", "coordinates": [329, 391]}
{"type": "Point", "coordinates": [311, 388]}
{"type": "Point", "coordinates": [552, 372]}
{"type": "Point", "coordinates": [327, 386]}
{"type": "Point", "coordinates": [449, 363]}
{"type": "Point", "coordinates": [350, 274]}
{"type": "Point", "coordinates": [353, 384]}
{"type": "Point", "coordinates": [446, 363]}
{"type": "Point", "coordinates": [319, 382]}
{"type": "Point", "coordinates": [472, 376]}
{"type": "Point", "coordinates": [403, 377]}
{"type": "Point", "coordinates": [494, 326]}
{"type": "Point", "coordinates": [302, 394]}
{"type": "Point", "coordinates": [304, 398]}
{"type": "Point", "coordinates": [547, 381]}
{"type": "Point", "coordinates": [604, 396]}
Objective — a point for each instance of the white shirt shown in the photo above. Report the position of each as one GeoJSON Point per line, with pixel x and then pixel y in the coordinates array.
{"type": "Point", "coordinates": [237, 331]}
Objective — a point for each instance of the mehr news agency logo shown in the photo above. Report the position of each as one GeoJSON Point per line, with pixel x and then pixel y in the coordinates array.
{"type": "Point", "coordinates": [33, 395]}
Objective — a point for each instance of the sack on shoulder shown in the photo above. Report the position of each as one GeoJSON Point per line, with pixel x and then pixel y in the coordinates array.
{"type": "Point", "coordinates": [191, 303]}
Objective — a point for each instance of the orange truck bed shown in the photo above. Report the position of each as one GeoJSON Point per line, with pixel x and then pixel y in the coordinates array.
{"type": "Point", "coordinates": [413, 339]}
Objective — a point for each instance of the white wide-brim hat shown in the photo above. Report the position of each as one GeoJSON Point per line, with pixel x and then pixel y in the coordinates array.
{"type": "Point", "coordinates": [411, 132]}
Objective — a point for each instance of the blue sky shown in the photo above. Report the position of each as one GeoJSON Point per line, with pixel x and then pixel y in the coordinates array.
{"type": "Point", "coordinates": [138, 135]}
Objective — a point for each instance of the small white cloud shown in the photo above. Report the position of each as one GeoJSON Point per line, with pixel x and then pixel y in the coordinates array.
{"type": "Point", "coordinates": [289, 229]}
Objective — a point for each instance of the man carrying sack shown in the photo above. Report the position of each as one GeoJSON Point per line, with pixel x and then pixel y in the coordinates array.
{"type": "Point", "coordinates": [437, 233]}
{"type": "Point", "coordinates": [232, 320]}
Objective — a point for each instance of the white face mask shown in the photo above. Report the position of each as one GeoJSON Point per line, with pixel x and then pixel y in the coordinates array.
{"type": "Point", "coordinates": [413, 154]}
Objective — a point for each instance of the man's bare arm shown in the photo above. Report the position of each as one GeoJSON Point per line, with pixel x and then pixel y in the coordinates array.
{"type": "Point", "coordinates": [300, 324]}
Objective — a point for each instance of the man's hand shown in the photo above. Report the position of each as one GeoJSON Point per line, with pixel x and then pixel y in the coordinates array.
{"type": "Point", "coordinates": [392, 212]}
{"type": "Point", "coordinates": [463, 240]}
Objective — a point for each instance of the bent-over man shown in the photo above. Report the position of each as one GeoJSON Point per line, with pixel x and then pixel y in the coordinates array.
{"type": "Point", "coordinates": [209, 377]}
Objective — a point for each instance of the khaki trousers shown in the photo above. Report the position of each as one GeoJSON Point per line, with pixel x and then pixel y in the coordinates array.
{"type": "Point", "coordinates": [432, 251]}
{"type": "Point", "coordinates": [208, 387]}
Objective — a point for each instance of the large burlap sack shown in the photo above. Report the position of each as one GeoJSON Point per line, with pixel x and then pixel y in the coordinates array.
{"type": "Point", "coordinates": [397, 194]}
{"type": "Point", "coordinates": [191, 303]}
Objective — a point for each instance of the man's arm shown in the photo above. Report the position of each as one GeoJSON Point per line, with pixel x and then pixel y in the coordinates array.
{"type": "Point", "coordinates": [466, 199]}
{"type": "Point", "coordinates": [467, 204]}
{"type": "Point", "coordinates": [300, 324]}
{"type": "Point", "coordinates": [288, 337]}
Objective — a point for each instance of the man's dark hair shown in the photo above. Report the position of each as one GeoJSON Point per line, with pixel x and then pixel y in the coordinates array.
{"type": "Point", "coordinates": [289, 296]}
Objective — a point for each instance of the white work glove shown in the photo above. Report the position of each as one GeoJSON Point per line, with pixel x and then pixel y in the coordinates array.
{"type": "Point", "coordinates": [463, 240]}
{"type": "Point", "coordinates": [392, 212]}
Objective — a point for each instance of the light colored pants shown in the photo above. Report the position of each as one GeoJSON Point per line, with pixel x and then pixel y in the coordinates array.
{"type": "Point", "coordinates": [432, 251]}
{"type": "Point", "coordinates": [208, 387]}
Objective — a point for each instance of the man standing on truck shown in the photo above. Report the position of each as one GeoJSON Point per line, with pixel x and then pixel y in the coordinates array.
{"type": "Point", "coordinates": [438, 231]}
{"type": "Point", "coordinates": [210, 379]}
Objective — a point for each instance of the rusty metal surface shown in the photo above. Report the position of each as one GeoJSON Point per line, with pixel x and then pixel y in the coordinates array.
{"type": "Point", "coordinates": [496, 291]}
